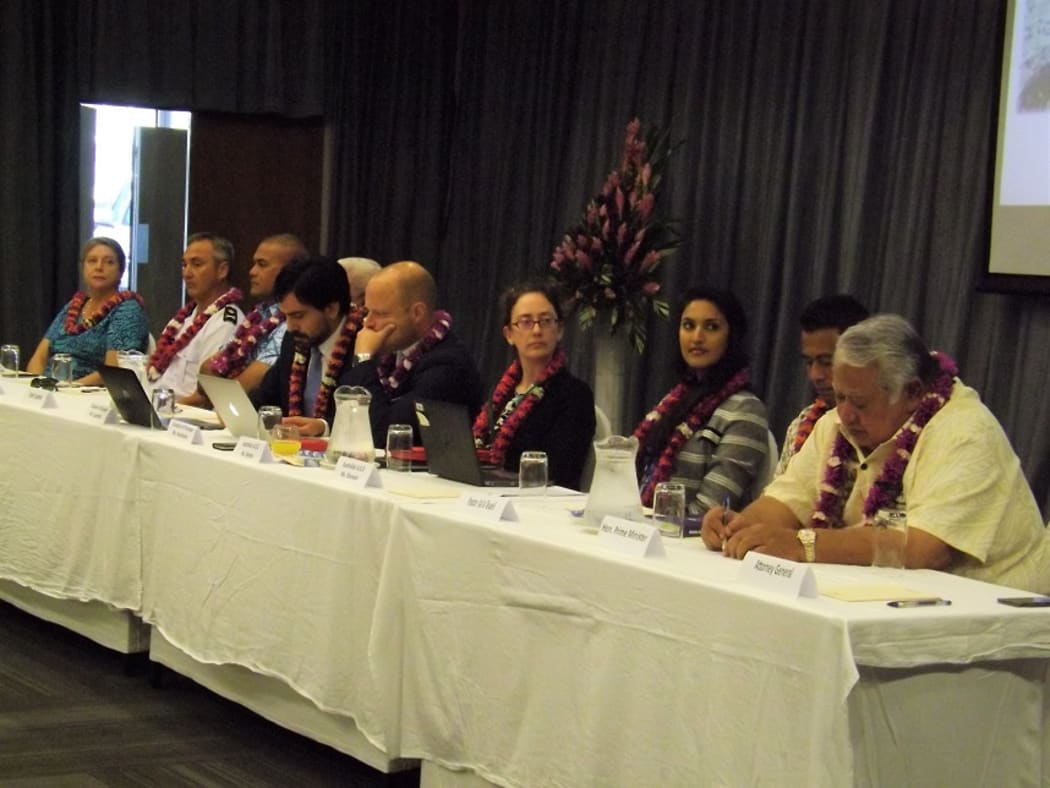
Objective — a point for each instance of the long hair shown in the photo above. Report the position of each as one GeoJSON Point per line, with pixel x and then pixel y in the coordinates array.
{"type": "Point", "coordinates": [714, 377]}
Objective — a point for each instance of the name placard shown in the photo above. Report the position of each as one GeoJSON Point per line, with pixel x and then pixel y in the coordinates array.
{"type": "Point", "coordinates": [357, 473]}
{"type": "Point", "coordinates": [640, 540]}
{"type": "Point", "coordinates": [41, 398]}
{"type": "Point", "coordinates": [102, 413]}
{"type": "Point", "coordinates": [778, 575]}
{"type": "Point", "coordinates": [252, 450]}
{"type": "Point", "coordinates": [185, 432]}
{"type": "Point", "coordinates": [488, 507]}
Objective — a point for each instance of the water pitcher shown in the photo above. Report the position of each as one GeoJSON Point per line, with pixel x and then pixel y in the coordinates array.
{"type": "Point", "coordinates": [138, 363]}
{"type": "Point", "coordinates": [351, 429]}
{"type": "Point", "coordinates": [614, 488]}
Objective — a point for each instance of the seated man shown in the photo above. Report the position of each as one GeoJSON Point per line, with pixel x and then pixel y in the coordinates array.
{"type": "Point", "coordinates": [257, 341]}
{"type": "Point", "coordinates": [358, 271]}
{"type": "Point", "coordinates": [314, 297]}
{"type": "Point", "coordinates": [205, 323]}
{"type": "Point", "coordinates": [822, 321]}
{"type": "Point", "coordinates": [406, 350]}
{"type": "Point", "coordinates": [908, 436]}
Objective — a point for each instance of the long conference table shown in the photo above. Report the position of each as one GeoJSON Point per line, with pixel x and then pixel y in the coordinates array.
{"type": "Point", "coordinates": [391, 624]}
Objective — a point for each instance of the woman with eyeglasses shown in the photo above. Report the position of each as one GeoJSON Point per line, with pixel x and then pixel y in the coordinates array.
{"type": "Point", "coordinates": [99, 321]}
{"type": "Point", "coordinates": [537, 405]}
{"type": "Point", "coordinates": [710, 431]}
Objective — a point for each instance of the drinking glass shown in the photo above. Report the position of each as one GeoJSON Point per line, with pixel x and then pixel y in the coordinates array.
{"type": "Point", "coordinates": [10, 360]}
{"type": "Point", "coordinates": [669, 508]}
{"type": "Point", "coordinates": [164, 404]}
{"type": "Point", "coordinates": [62, 368]}
{"type": "Point", "coordinates": [889, 538]}
{"type": "Point", "coordinates": [269, 417]}
{"type": "Point", "coordinates": [532, 471]}
{"type": "Point", "coordinates": [399, 447]}
{"type": "Point", "coordinates": [284, 440]}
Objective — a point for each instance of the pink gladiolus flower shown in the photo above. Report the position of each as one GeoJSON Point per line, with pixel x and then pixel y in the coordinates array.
{"type": "Point", "coordinates": [610, 293]}
{"type": "Point", "coordinates": [649, 261]}
{"type": "Point", "coordinates": [582, 242]}
{"type": "Point", "coordinates": [629, 257]}
{"type": "Point", "coordinates": [583, 260]}
{"type": "Point", "coordinates": [651, 288]}
{"type": "Point", "coordinates": [619, 201]}
{"type": "Point", "coordinates": [647, 173]}
{"type": "Point", "coordinates": [646, 208]}
{"type": "Point", "coordinates": [605, 228]}
{"type": "Point", "coordinates": [621, 234]}
{"type": "Point", "coordinates": [639, 236]}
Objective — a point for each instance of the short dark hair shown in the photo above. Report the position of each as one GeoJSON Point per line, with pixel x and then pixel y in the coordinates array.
{"type": "Point", "coordinates": [316, 281]}
{"type": "Point", "coordinates": [838, 311]}
{"type": "Point", "coordinates": [101, 240]}
{"type": "Point", "coordinates": [512, 294]}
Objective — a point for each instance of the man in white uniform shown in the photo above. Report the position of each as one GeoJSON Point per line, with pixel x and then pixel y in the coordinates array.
{"type": "Point", "coordinates": [206, 322]}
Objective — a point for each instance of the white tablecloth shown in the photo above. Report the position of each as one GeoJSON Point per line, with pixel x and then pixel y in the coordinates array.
{"type": "Point", "coordinates": [521, 651]}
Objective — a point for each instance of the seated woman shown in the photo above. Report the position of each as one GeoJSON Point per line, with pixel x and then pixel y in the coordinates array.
{"type": "Point", "coordinates": [98, 323]}
{"type": "Point", "coordinates": [709, 432]}
{"type": "Point", "coordinates": [537, 405]}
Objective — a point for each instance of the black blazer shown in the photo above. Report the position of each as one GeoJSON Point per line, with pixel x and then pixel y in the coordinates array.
{"type": "Point", "coordinates": [561, 424]}
{"type": "Point", "coordinates": [274, 387]}
{"type": "Point", "coordinates": [446, 373]}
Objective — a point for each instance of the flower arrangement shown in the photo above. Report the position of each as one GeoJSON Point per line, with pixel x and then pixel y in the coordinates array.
{"type": "Point", "coordinates": [608, 263]}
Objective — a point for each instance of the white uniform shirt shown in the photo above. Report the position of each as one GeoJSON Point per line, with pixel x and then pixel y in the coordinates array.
{"type": "Point", "coordinates": [181, 374]}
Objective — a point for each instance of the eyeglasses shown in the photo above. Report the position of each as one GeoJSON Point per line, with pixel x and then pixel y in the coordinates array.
{"type": "Point", "coordinates": [528, 323]}
{"type": "Point", "coordinates": [44, 383]}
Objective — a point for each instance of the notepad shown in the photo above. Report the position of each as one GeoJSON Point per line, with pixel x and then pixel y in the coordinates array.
{"type": "Point", "coordinates": [872, 592]}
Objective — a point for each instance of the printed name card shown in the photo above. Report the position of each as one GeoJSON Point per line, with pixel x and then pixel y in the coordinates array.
{"type": "Point", "coordinates": [357, 473]}
{"type": "Point", "coordinates": [640, 540]}
{"type": "Point", "coordinates": [41, 398]}
{"type": "Point", "coordinates": [252, 450]}
{"type": "Point", "coordinates": [102, 413]}
{"type": "Point", "coordinates": [488, 507]}
{"type": "Point", "coordinates": [779, 575]}
{"type": "Point", "coordinates": [185, 432]}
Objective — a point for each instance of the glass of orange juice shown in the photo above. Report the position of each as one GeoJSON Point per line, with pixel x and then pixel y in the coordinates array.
{"type": "Point", "coordinates": [284, 440]}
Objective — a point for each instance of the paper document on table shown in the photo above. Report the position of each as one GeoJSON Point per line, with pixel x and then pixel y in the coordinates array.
{"type": "Point", "coordinates": [872, 592]}
{"type": "Point", "coordinates": [415, 489]}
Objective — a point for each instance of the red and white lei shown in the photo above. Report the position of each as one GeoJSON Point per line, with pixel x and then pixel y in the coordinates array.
{"type": "Point", "coordinates": [507, 427]}
{"type": "Point", "coordinates": [392, 374]}
{"type": "Point", "coordinates": [297, 374]}
{"type": "Point", "coordinates": [698, 416]}
{"type": "Point", "coordinates": [809, 418]}
{"type": "Point", "coordinates": [171, 342]}
{"type": "Point", "coordinates": [239, 351]}
{"type": "Point", "coordinates": [76, 306]}
{"type": "Point", "coordinates": [840, 471]}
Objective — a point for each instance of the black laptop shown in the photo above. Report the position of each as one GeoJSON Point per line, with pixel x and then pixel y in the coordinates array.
{"type": "Point", "coordinates": [131, 399]}
{"type": "Point", "coordinates": [449, 441]}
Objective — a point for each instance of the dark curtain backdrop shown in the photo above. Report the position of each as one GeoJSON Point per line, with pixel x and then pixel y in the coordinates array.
{"type": "Point", "coordinates": [827, 145]}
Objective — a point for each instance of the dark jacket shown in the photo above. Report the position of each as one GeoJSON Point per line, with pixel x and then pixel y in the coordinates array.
{"type": "Point", "coordinates": [273, 390]}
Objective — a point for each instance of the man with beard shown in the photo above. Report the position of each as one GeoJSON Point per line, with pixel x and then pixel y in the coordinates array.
{"type": "Point", "coordinates": [315, 355]}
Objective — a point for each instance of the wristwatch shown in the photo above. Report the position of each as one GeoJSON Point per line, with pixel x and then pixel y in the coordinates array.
{"type": "Point", "coordinates": [361, 358]}
{"type": "Point", "coordinates": [808, 538]}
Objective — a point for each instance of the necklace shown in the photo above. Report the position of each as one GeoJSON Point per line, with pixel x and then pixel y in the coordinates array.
{"type": "Point", "coordinates": [171, 342]}
{"type": "Point", "coordinates": [503, 394]}
{"type": "Point", "coordinates": [297, 374]}
{"type": "Point", "coordinates": [76, 306]}
{"type": "Point", "coordinates": [811, 417]}
{"type": "Point", "coordinates": [840, 471]}
{"type": "Point", "coordinates": [698, 416]}
{"type": "Point", "coordinates": [392, 374]}
{"type": "Point", "coordinates": [240, 350]}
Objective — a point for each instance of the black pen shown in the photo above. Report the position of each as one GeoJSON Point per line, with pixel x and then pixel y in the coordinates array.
{"type": "Point", "coordinates": [931, 602]}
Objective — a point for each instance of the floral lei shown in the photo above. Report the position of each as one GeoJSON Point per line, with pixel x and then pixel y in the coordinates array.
{"type": "Point", "coordinates": [811, 417]}
{"type": "Point", "coordinates": [838, 475]}
{"type": "Point", "coordinates": [699, 416]}
{"type": "Point", "coordinates": [76, 306]}
{"type": "Point", "coordinates": [392, 374]}
{"type": "Point", "coordinates": [502, 394]}
{"type": "Point", "coordinates": [329, 377]}
{"type": "Point", "coordinates": [238, 353]}
{"type": "Point", "coordinates": [171, 342]}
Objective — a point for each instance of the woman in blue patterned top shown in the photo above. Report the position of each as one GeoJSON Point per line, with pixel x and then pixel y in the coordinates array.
{"type": "Point", "coordinates": [99, 321]}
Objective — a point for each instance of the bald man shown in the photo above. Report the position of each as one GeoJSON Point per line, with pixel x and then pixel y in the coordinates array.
{"type": "Point", "coordinates": [406, 350]}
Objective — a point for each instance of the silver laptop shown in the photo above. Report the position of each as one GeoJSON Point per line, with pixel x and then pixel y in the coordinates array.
{"type": "Point", "coordinates": [231, 404]}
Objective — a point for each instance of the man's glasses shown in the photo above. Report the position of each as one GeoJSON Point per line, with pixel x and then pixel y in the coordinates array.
{"type": "Point", "coordinates": [528, 323]}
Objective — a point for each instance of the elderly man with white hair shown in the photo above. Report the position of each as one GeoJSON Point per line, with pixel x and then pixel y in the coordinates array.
{"type": "Point", "coordinates": [358, 271]}
{"type": "Point", "coordinates": [908, 436]}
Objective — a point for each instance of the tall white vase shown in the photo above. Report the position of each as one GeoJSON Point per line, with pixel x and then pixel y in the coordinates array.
{"type": "Point", "coordinates": [611, 356]}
